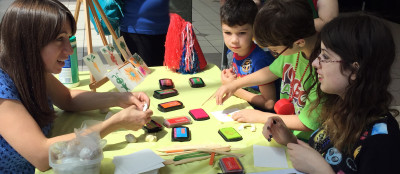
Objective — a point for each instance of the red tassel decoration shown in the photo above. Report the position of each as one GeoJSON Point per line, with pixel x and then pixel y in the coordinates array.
{"type": "Point", "coordinates": [182, 50]}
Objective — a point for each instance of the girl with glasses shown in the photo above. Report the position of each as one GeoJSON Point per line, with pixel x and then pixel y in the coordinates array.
{"type": "Point", "coordinates": [358, 133]}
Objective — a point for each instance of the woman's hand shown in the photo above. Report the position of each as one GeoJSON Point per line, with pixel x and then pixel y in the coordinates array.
{"type": "Point", "coordinates": [250, 116]}
{"type": "Point", "coordinates": [276, 128]}
{"type": "Point", "coordinates": [138, 99]}
{"type": "Point", "coordinates": [131, 118]}
{"type": "Point", "coordinates": [306, 159]}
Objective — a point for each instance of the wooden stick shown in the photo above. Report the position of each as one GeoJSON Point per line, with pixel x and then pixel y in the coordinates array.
{"type": "Point", "coordinates": [168, 162]}
{"type": "Point", "coordinates": [221, 152]}
{"type": "Point", "coordinates": [177, 153]}
{"type": "Point", "coordinates": [191, 147]}
{"type": "Point", "coordinates": [180, 152]}
{"type": "Point", "coordinates": [97, 84]}
{"type": "Point", "coordinates": [213, 95]}
{"type": "Point", "coordinates": [188, 160]}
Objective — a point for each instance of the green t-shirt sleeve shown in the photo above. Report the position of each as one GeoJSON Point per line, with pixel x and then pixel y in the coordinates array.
{"type": "Point", "coordinates": [276, 66]}
{"type": "Point", "coordinates": [307, 118]}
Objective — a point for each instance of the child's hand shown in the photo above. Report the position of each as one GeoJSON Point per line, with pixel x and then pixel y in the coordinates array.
{"type": "Point", "coordinates": [276, 128]}
{"type": "Point", "coordinates": [227, 75]}
{"type": "Point", "coordinates": [224, 92]}
{"type": "Point", "coordinates": [249, 116]}
{"type": "Point", "coordinates": [306, 159]}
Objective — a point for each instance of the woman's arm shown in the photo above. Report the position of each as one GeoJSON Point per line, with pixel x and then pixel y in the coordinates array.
{"type": "Point", "coordinates": [22, 132]}
{"type": "Point", "coordinates": [80, 100]}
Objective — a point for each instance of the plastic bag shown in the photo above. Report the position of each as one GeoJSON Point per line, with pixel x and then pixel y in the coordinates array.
{"type": "Point", "coordinates": [83, 153]}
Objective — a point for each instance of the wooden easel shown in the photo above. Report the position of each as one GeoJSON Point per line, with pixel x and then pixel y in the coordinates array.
{"type": "Point", "coordinates": [86, 4]}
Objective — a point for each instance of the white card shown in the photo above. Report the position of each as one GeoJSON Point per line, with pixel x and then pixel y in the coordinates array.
{"type": "Point", "coordinates": [95, 65]}
{"type": "Point", "coordinates": [119, 81]}
{"type": "Point", "coordinates": [111, 55]}
{"type": "Point", "coordinates": [138, 162]}
{"type": "Point", "coordinates": [137, 61]}
{"type": "Point", "coordinates": [265, 156]}
{"type": "Point", "coordinates": [225, 115]}
{"type": "Point", "coordinates": [123, 48]}
{"type": "Point", "coordinates": [131, 74]}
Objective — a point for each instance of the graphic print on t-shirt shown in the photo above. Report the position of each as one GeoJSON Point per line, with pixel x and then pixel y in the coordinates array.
{"type": "Point", "coordinates": [287, 87]}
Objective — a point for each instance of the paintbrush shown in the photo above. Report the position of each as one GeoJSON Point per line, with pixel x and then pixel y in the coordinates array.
{"type": "Point", "coordinates": [213, 95]}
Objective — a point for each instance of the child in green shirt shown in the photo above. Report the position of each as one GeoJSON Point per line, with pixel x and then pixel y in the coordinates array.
{"type": "Point", "coordinates": [287, 29]}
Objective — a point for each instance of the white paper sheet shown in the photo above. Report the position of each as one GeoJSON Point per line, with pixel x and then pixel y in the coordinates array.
{"type": "Point", "coordinates": [284, 171]}
{"type": "Point", "coordinates": [142, 161]}
{"type": "Point", "coordinates": [265, 156]}
{"type": "Point", "coordinates": [225, 115]}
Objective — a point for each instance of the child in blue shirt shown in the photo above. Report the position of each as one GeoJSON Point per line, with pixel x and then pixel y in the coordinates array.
{"type": "Point", "coordinates": [244, 56]}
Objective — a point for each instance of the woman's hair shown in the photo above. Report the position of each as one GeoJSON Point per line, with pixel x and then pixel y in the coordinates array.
{"type": "Point", "coordinates": [366, 47]}
{"type": "Point", "coordinates": [26, 28]}
{"type": "Point", "coordinates": [282, 22]}
{"type": "Point", "coordinates": [238, 12]}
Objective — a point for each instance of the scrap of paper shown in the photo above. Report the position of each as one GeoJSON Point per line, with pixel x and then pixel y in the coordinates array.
{"type": "Point", "coordinates": [145, 106]}
{"type": "Point", "coordinates": [225, 115]}
{"type": "Point", "coordinates": [109, 114]}
{"type": "Point", "coordinates": [265, 156]}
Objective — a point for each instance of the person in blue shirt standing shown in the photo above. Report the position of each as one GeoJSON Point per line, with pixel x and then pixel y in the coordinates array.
{"type": "Point", "coordinates": [144, 28]}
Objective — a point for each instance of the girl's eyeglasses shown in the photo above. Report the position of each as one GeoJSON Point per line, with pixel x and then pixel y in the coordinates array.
{"type": "Point", "coordinates": [276, 55]}
{"type": "Point", "coordinates": [326, 61]}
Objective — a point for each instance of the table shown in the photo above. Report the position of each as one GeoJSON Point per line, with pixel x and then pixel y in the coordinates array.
{"type": "Point", "coordinates": [202, 132]}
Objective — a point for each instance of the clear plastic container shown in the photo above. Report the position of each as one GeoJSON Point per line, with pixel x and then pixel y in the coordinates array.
{"type": "Point", "coordinates": [72, 165]}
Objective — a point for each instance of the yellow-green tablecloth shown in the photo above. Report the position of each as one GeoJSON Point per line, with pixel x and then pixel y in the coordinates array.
{"type": "Point", "coordinates": [203, 132]}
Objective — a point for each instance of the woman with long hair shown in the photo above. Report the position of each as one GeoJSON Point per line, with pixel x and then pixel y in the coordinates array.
{"type": "Point", "coordinates": [358, 133]}
{"type": "Point", "coordinates": [34, 43]}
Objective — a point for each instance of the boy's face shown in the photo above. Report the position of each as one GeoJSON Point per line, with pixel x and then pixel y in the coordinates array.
{"type": "Point", "coordinates": [238, 38]}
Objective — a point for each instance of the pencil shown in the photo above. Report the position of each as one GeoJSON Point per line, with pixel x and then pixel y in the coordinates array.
{"type": "Point", "coordinates": [212, 159]}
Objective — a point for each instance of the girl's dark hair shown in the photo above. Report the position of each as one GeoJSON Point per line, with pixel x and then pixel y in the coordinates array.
{"type": "Point", "coordinates": [366, 47]}
{"type": "Point", "coordinates": [238, 12]}
{"type": "Point", "coordinates": [26, 28]}
{"type": "Point", "coordinates": [282, 22]}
